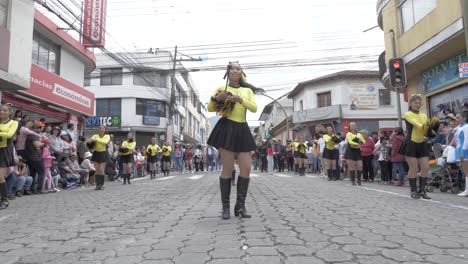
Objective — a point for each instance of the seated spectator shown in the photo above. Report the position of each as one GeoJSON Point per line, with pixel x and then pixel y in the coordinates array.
{"type": "Point", "coordinates": [23, 181]}
{"type": "Point", "coordinates": [87, 165]}
{"type": "Point", "coordinates": [75, 166]}
{"type": "Point", "coordinates": [54, 172]}
{"type": "Point", "coordinates": [66, 172]}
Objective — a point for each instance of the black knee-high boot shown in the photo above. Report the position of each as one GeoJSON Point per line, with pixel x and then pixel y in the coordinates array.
{"type": "Point", "coordinates": [358, 177]}
{"type": "Point", "coordinates": [330, 174]}
{"type": "Point", "coordinates": [337, 174]}
{"type": "Point", "coordinates": [4, 197]}
{"type": "Point", "coordinates": [124, 178]}
{"type": "Point", "coordinates": [352, 176]}
{"type": "Point", "coordinates": [102, 182]}
{"type": "Point", "coordinates": [242, 188]}
{"type": "Point", "coordinates": [128, 178]}
{"type": "Point", "coordinates": [422, 188]}
{"type": "Point", "coordinates": [296, 168]}
{"type": "Point", "coordinates": [414, 188]}
{"type": "Point", "coordinates": [225, 187]}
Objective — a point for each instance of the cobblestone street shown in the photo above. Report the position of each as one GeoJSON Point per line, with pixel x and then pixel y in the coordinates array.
{"type": "Point", "coordinates": [177, 220]}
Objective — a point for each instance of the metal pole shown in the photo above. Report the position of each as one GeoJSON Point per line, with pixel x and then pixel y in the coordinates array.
{"type": "Point", "coordinates": [397, 90]}
{"type": "Point", "coordinates": [464, 6]}
{"type": "Point", "coordinates": [172, 99]}
{"type": "Point", "coordinates": [282, 109]}
{"type": "Point", "coordinates": [81, 22]}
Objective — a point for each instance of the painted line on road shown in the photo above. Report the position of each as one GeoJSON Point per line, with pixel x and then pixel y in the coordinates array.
{"type": "Point", "coordinates": [3, 218]}
{"type": "Point", "coordinates": [313, 177]}
{"type": "Point", "coordinates": [165, 178]}
{"type": "Point", "coordinates": [196, 177]}
{"type": "Point", "coordinates": [407, 196]}
{"type": "Point", "coordinates": [282, 175]}
{"type": "Point", "coordinates": [254, 175]}
{"type": "Point", "coordinates": [139, 179]}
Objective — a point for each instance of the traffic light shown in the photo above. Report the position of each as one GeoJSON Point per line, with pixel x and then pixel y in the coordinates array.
{"type": "Point", "coordinates": [397, 73]}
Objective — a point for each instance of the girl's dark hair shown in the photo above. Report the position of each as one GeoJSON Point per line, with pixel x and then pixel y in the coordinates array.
{"type": "Point", "coordinates": [19, 111]}
{"type": "Point", "coordinates": [399, 131]}
{"type": "Point", "coordinates": [413, 98]}
{"type": "Point", "coordinates": [242, 83]}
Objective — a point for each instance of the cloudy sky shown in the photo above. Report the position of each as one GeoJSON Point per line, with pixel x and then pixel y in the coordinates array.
{"type": "Point", "coordinates": [280, 43]}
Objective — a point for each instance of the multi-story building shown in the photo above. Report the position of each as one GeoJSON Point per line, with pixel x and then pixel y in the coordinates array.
{"type": "Point", "coordinates": [429, 36]}
{"type": "Point", "coordinates": [133, 94]}
{"type": "Point", "coordinates": [42, 66]}
{"type": "Point", "coordinates": [337, 99]}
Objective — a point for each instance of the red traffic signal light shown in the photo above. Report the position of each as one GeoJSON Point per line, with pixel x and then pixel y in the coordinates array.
{"type": "Point", "coordinates": [396, 64]}
{"type": "Point", "coordinates": [397, 73]}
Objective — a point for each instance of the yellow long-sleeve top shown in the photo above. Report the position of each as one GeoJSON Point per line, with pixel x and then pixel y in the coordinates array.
{"type": "Point", "coordinates": [168, 150]}
{"type": "Point", "coordinates": [101, 142]}
{"type": "Point", "coordinates": [153, 150]}
{"type": "Point", "coordinates": [130, 145]}
{"type": "Point", "coordinates": [351, 136]}
{"type": "Point", "coordinates": [239, 112]}
{"type": "Point", "coordinates": [329, 143]}
{"type": "Point", "coordinates": [295, 144]}
{"type": "Point", "coordinates": [7, 131]}
{"type": "Point", "coordinates": [417, 125]}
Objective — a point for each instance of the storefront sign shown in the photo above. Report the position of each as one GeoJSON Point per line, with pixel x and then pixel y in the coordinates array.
{"type": "Point", "coordinates": [443, 74]}
{"type": "Point", "coordinates": [317, 114]}
{"type": "Point", "coordinates": [94, 23]}
{"type": "Point", "coordinates": [364, 97]}
{"type": "Point", "coordinates": [463, 70]}
{"type": "Point", "coordinates": [108, 121]}
{"type": "Point", "coordinates": [52, 88]}
{"type": "Point", "coordinates": [151, 120]}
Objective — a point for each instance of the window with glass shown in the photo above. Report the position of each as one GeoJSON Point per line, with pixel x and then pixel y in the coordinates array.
{"type": "Point", "coordinates": [87, 80]}
{"type": "Point", "coordinates": [111, 76]}
{"type": "Point", "coordinates": [411, 11]}
{"type": "Point", "coordinates": [45, 54]}
{"type": "Point", "coordinates": [147, 107]}
{"type": "Point", "coordinates": [324, 99]}
{"type": "Point", "coordinates": [145, 77]}
{"type": "Point", "coordinates": [3, 13]}
{"type": "Point", "coordinates": [108, 107]}
{"type": "Point", "coordinates": [384, 97]}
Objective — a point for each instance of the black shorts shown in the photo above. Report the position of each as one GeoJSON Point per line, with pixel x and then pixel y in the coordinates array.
{"type": "Point", "coordinates": [301, 155]}
{"type": "Point", "coordinates": [330, 154]}
{"type": "Point", "coordinates": [152, 159]}
{"type": "Point", "coordinates": [126, 158]}
{"type": "Point", "coordinates": [412, 149]}
{"type": "Point", "coordinates": [166, 158]}
{"type": "Point", "coordinates": [353, 153]}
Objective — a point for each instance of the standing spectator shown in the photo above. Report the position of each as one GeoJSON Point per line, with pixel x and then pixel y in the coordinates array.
{"type": "Point", "coordinates": [56, 146]}
{"type": "Point", "coordinates": [210, 152]}
{"type": "Point", "coordinates": [188, 156]}
{"type": "Point", "coordinates": [321, 143]}
{"type": "Point", "coordinates": [33, 155]}
{"type": "Point", "coordinates": [24, 131]}
{"type": "Point", "coordinates": [111, 148]}
{"type": "Point", "coordinates": [81, 149]}
{"type": "Point", "coordinates": [461, 151]}
{"type": "Point", "coordinates": [289, 155]}
{"type": "Point", "coordinates": [48, 131]}
{"type": "Point", "coordinates": [219, 163]}
{"type": "Point", "coordinates": [48, 158]}
{"type": "Point", "coordinates": [178, 157]}
{"type": "Point", "coordinates": [280, 154]}
{"type": "Point", "coordinates": [367, 153]}
{"type": "Point", "coordinates": [315, 157]}
{"type": "Point", "coordinates": [71, 131]}
{"type": "Point", "coordinates": [255, 159]}
{"type": "Point", "coordinates": [275, 157]}
{"type": "Point", "coordinates": [18, 115]}
{"type": "Point", "coordinates": [398, 160]}
{"type": "Point", "coordinates": [382, 150]}
{"type": "Point", "coordinates": [262, 152]}
{"type": "Point", "coordinates": [270, 154]}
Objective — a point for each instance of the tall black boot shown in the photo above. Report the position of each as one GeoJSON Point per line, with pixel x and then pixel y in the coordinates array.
{"type": "Point", "coordinates": [242, 187]}
{"type": "Point", "coordinates": [128, 178]}
{"type": "Point", "coordinates": [98, 182]}
{"type": "Point", "coordinates": [330, 174]}
{"type": "Point", "coordinates": [422, 188]}
{"type": "Point", "coordinates": [102, 182]}
{"type": "Point", "coordinates": [124, 178]}
{"type": "Point", "coordinates": [337, 174]}
{"type": "Point", "coordinates": [225, 187]}
{"type": "Point", "coordinates": [358, 178]}
{"type": "Point", "coordinates": [4, 198]}
{"type": "Point", "coordinates": [414, 188]}
{"type": "Point", "coordinates": [352, 176]}
{"type": "Point", "coordinates": [296, 168]}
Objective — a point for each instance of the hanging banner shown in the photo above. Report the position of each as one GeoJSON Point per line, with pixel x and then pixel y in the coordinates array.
{"type": "Point", "coordinates": [94, 23]}
{"type": "Point", "coordinates": [364, 97]}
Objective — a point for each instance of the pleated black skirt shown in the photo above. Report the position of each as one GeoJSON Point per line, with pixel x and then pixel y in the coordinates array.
{"type": "Point", "coordinates": [233, 136]}
{"type": "Point", "coordinates": [7, 158]}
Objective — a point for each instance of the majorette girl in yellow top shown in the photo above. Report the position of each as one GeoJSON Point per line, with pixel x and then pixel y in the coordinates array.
{"type": "Point", "coordinates": [232, 136]}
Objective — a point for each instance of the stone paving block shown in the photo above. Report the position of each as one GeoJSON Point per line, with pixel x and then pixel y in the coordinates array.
{"type": "Point", "coordinates": [346, 240]}
{"type": "Point", "coordinates": [374, 260]}
{"type": "Point", "coordinates": [124, 260]}
{"type": "Point", "coordinates": [262, 251]}
{"type": "Point", "coordinates": [225, 261]}
{"type": "Point", "coordinates": [333, 255]}
{"type": "Point", "coordinates": [161, 254]}
{"type": "Point", "coordinates": [445, 259]}
{"type": "Point", "coordinates": [196, 248]}
{"type": "Point", "coordinates": [259, 242]}
{"type": "Point", "coordinates": [442, 243]}
{"type": "Point", "coordinates": [188, 258]}
{"type": "Point", "coordinates": [401, 255]}
{"type": "Point", "coordinates": [226, 253]}
{"type": "Point", "coordinates": [303, 260]}
{"type": "Point", "coordinates": [134, 251]}
{"type": "Point", "coordinates": [257, 260]}
{"type": "Point", "coordinates": [289, 241]}
{"type": "Point", "coordinates": [361, 250]}
{"type": "Point", "coordinates": [8, 259]}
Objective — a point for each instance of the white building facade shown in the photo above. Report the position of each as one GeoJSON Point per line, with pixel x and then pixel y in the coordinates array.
{"type": "Point", "coordinates": [340, 98]}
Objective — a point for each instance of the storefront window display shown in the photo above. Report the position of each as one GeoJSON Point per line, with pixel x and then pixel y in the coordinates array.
{"type": "Point", "coordinates": [452, 99]}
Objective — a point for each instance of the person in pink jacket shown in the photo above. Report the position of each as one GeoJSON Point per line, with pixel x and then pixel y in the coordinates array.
{"type": "Point", "coordinates": [367, 153]}
{"type": "Point", "coordinates": [24, 132]}
{"type": "Point", "coordinates": [398, 160]}
{"type": "Point", "coordinates": [47, 157]}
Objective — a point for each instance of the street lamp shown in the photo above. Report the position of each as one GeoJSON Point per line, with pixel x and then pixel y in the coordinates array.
{"type": "Point", "coordinates": [282, 109]}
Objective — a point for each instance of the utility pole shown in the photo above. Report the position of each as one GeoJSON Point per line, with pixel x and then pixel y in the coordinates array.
{"type": "Point", "coordinates": [170, 124]}
{"type": "Point", "coordinates": [397, 90]}
{"type": "Point", "coordinates": [464, 7]}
